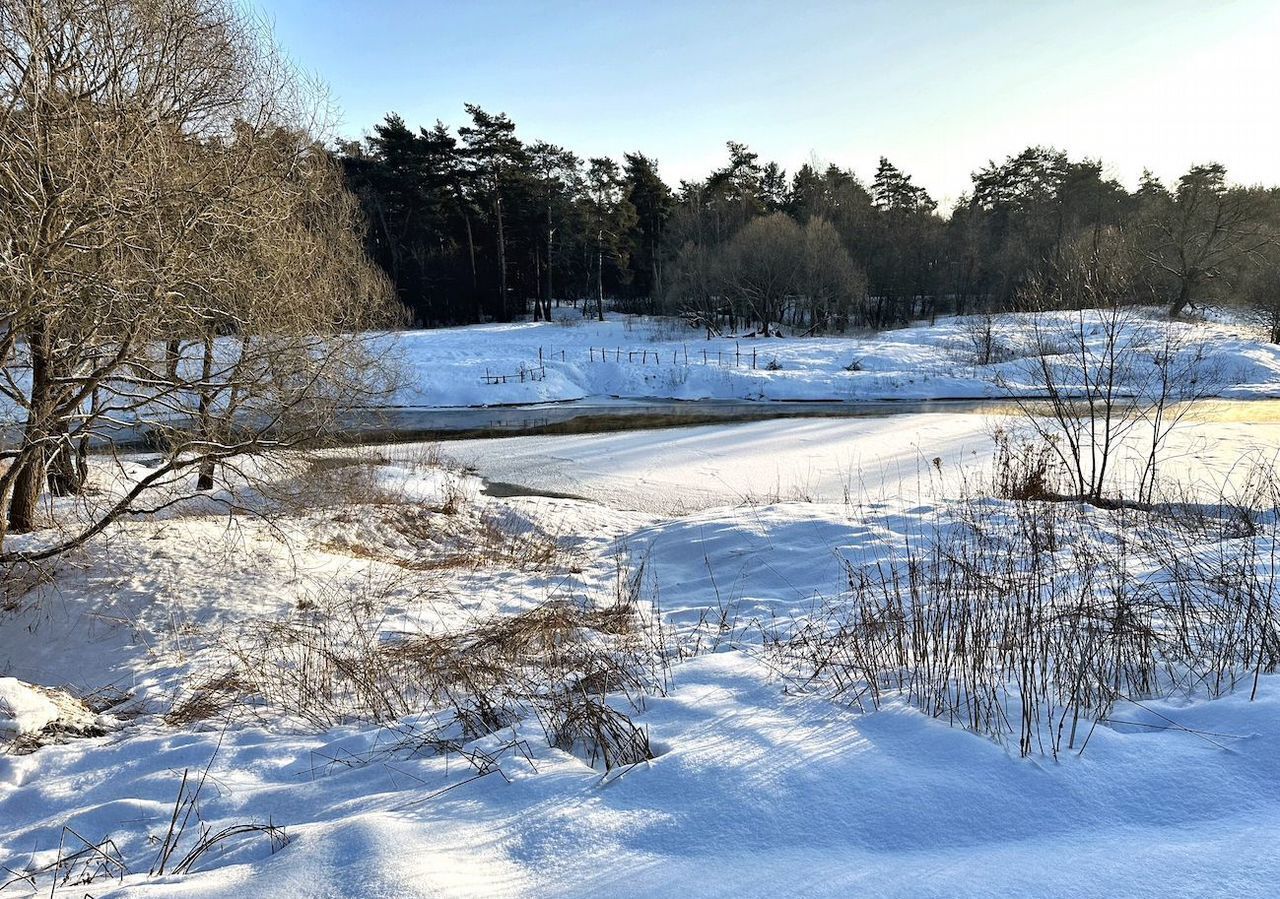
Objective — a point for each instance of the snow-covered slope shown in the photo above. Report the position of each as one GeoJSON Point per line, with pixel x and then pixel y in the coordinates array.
{"type": "Point", "coordinates": [573, 358]}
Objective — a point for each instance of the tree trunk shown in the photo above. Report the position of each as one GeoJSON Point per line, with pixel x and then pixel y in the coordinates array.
{"type": "Point", "coordinates": [172, 354]}
{"type": "Point", "coordinates": [1184, 297]}
{"type": "Point", "coordinates": [28, 484]}
{"type": "Point", "coordinates": [537, 280]}
{"type": "Point", "coordinates": [475, 283]}
{"type": "Point", "coordinates": [67, 466]}
{"type": "Point", "coordinates": [546, 293]}
{"type": "Point", "coordinates": [204, 478]}
{"type": "Point", "coordinates": [655, 288]}
{"type": "Point", "coordinates": [600, 277]}
{"type": "Point", "coordinates": [24, 504]}
{"type": "Point", "coordinates": [502, 259]}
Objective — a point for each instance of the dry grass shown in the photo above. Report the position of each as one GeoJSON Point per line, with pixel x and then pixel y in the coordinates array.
{"type": "Point", "coordinates": [208, 698]}
{"type": "Point", "coordinates": [1024, 469]}
{"type": "Point", "coordinates": [339, 660]}
{"type": "Point", "coordinates": [387, 524]}
{"type": "Point", "coordinates": [187, 839]}
{"type": "Point", "coordinates": [304, 481]}
{"type": "Point", "coordinates": [453, 536]}
{"type": "Point", "coordinates": [1030, 621]}
{"type": "Point", "coordinates": [78, 863]}
{"type": "Point", "coordinates": [333, 481]}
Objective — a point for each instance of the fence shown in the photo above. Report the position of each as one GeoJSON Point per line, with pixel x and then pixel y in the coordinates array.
{"type": "Point", "coordinates": [735, 358]}
{"type": "Point", "coordinates": [524, 374]}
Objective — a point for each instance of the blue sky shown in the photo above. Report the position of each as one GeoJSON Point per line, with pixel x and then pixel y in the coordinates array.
{"type": "Point", "coordinates": [938, 87]}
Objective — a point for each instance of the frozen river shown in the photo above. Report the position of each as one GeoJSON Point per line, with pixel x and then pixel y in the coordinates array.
{"type": "Point", "coordinates": [857, 459]}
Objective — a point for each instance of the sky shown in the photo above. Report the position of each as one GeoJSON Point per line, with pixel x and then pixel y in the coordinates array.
{"type": "Point", "coordinates": [940, 88]}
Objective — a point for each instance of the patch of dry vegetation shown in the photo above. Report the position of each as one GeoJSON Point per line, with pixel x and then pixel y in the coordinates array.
{"type": "Point", "coordinates": [1032, 621]}
{"type": "Point", "coordinates": [368, 507]}
{"type": "Point", "coordinates": [341, 659]}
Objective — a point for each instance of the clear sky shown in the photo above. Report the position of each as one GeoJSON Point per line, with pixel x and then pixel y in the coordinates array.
{"type": "Point", "coordinates": [938, 87]}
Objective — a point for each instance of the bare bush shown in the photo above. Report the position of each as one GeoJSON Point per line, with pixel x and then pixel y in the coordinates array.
{"type": "Point", "coordinates": [1033, 621]}
{"type": "Point", "coordinates": [984, 344]}
{"type": "Point", "coordinates": [771, 272]}
{"type": "Point", "coordinates": [1106, 379]}
{"type": "Point", "coordinates": [1024, 468]}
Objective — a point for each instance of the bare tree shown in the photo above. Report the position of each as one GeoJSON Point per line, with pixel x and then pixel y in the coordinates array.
{"type": "Point", "coordinates": [832, 285]}
{"type": "Point", "coordinates": [1196, 236]}
{"type": "Point", "coordinates": [775, 272]}
{"type": "Point", "coordinates": [161, 201]}
{"type": "Point", "coordinates": [610, 216]}
{"type": "Point", "coordinates": [761, 267]}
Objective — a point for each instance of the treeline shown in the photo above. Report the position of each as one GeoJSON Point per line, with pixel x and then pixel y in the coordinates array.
{"type": "Point", "coordinates": [478, 224]}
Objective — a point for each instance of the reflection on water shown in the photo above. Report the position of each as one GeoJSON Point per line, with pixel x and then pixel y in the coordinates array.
{"type": "Point", "coordinates": [589, 417]}
{"type": "Point", "coordinates": [1259, 411]}
{"type": "Point", "coordinates": [1206, 411]}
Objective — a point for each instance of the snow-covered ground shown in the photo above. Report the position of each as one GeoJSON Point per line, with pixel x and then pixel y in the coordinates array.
{"type": "Point", "coordinates": [639, 357]}
{"type": "Point", "coordinates": [762, 783]}
{"type": "Point", "coordinates": [754, 791]}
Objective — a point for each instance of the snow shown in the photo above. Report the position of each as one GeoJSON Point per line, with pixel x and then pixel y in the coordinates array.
{"type": "Point", "coordinates": [24, 710]}
{"type": "Point", "coordinates": [760, 786]}
{"type": "Point", "coordinates": [678, 470]}
{"type": "Point", "coordinates": [757, 794]}
{"type": "Point", "coordinates": [641, 357]}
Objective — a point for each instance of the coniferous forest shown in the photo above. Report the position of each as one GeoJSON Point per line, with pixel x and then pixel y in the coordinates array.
{"type": "Point", "coordinates": [479, 224]}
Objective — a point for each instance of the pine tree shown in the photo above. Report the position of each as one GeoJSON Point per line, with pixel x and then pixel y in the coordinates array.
{"type": "Point", "coordinates": [610, 218]}
{"type": "Point", "coordinates": [495, 155]}
{"type": "Point", "coordinates": [652, 201]}
{"type": "Point", "coordinates": [556, 172]}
